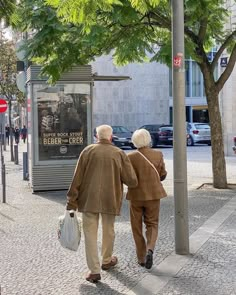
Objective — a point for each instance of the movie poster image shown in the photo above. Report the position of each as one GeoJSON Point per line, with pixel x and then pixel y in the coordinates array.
{"type": "Point", "coordinates": [62, 123]}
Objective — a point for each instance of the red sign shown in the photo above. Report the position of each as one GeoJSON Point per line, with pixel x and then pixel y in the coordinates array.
{"type": "Point", "coordinates": [28, 105]}
{"type": "Point", "coordinates": [3, 106]}
{"type": "Point", "coordinates": [177, 61]}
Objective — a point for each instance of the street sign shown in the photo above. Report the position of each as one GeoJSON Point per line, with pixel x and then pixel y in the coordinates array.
{"type": "Point", "coordinates": [224, 61]}
{"type": "Point", "coordinates": [3, 106]}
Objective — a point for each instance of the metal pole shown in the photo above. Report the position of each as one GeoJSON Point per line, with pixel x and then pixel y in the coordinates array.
{"type": "Point", "coordinates": [4, 130]}
{"type": "Point", "coordinates": [3, 183]}
{"type": "Point", "coordinates": [180, 159]}
{"type": "Point", "coordinates": [1, 140]}
{"type": "Point", "coordinates": [2, 163]}
{"type": "Point", "coordinates": [26, 64]}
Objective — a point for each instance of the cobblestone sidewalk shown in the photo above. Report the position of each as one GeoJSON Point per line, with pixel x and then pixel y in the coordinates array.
{"type": "Point", "coordinates": [32, 262]}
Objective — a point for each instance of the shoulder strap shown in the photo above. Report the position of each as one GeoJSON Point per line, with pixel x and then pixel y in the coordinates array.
{"type": "Point", "coordinates": [150, 164]}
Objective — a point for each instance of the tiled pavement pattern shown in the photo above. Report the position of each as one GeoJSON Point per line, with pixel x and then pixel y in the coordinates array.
{"type": "Point", "coordinates": [33, 262]}
{"type": "Point", "coordinates": [213, 269]}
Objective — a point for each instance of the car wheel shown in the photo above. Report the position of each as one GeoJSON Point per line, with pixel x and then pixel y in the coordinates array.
{"type": "Point", "coordinates": [190, 141]}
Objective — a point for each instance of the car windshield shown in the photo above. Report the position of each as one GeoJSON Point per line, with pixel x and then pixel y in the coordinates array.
{"type": "Point", "coordinates": [166, 128]}
{"type": "Point", "coordinates": [119, 129]}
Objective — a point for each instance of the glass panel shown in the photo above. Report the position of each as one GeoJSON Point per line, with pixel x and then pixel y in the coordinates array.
{"type": "Point", "coordinates": [196, 80]}
{"type": "Point", "coordinates": [170, 82]}
{"type": "Point", "coordinates": [166, 128]}
{"type": "Point", "coordinates": [115, 129]}
{"type": "Point", "coordinates": [123, 129]}
{"type": "Point", "coordinates": [187, 79]}
{"type": "Point", "coordinates": [62, 113]}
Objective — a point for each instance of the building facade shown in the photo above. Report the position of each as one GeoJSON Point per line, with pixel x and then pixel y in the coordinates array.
{"type": "Point", "coordinates": [147, 97]}
{"type": "Point", "coordinates": [228, 94]}
{"type": "Point", "coordinates": [142, 100]}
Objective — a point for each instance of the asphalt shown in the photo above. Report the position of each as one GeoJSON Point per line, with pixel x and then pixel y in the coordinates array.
{"type": "Point", "coordinates": [33, 262]}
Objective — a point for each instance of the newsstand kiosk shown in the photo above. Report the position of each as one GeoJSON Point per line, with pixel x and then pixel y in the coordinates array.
{"type": "Point", "coordinates": [59, 126]}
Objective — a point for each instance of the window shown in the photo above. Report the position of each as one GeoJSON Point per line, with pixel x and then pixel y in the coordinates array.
{"type": "Point", "coordinates": [196, 80]}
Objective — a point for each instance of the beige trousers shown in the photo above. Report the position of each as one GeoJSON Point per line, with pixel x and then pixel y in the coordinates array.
{"type": "Point", "coordinates": [90, 228]}
{"type": "Point", "coordinates": [146, 212]}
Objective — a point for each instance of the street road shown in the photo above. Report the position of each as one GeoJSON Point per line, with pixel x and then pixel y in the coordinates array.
{"type": "Point", "coordinates": [198, 166]}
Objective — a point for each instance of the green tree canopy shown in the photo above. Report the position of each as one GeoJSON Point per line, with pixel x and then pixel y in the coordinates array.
{"type": "Point", "coordinates": [81, 30]}
{"type": "Point", "coordinates": [72, 32]}
{"type": "Point", "coordinates": [8, 72]}
{"type": "Point", "coordinates": [6, 9]}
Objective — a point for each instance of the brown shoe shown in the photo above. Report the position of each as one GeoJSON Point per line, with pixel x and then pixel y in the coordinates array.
{"type": "Point", "coordinates": [114, 261]}
{"type": "Point", "coordinates": [93, 278]}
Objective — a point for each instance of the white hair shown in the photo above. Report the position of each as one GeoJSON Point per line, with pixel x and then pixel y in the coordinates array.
{"type": "Point", "coordinates": [104, 132]}
{"type": "Point", "coordinates": [141, 138]}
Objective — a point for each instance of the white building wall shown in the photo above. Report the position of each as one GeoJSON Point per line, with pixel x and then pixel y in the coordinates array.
{"type": "Point", "coordinates": [228, 112]}
{"type": "Point", "coordinates": [132, 103]}
{"type": "Point", "coordinates": [228, 94]}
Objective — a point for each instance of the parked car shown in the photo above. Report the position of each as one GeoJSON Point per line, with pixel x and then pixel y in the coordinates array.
{"type": "Point", "coordinates": [198, 133]}
{"type": "Point", "coordinates": [234, 146]}
{"type": "Point", "coordinates": [165, 134]}
{"type": "Point", "coordinates": [160, 134]}
{"type": "Point", "coordinates": [122, 137]}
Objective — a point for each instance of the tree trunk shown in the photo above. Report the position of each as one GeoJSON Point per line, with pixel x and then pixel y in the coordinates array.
{"type": "Point", "coordinates": [217, 143]}
{"type": "Point", "coordinates": [11, 131]}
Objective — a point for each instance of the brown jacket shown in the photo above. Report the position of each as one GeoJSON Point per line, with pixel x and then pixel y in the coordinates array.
{"type": "Point", "coordinates": [97, 185]}
{"type": "Point", "coordinates": [149, 186]}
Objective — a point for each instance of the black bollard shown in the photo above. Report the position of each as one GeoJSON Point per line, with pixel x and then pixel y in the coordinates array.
{"type": "Point", "coordinates": [25, 166]}
{"type": "Point", "coordinates": [16, 154]}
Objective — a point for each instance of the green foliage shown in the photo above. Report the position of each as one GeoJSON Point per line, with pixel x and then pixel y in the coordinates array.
{"type": "Point", "coordinates": [6, 9]}
{"type": "Point", "coordinates": [8, 71]}
{"type": "Point", "coordinates": [70, 32]}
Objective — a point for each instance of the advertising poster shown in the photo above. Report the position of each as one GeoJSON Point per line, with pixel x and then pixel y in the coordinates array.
{"type": "Point", "coordinates": [62, 123]}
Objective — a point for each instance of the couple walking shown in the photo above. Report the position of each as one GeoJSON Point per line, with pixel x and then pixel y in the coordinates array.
{"type": "Point", "coordinates": [97, 190]}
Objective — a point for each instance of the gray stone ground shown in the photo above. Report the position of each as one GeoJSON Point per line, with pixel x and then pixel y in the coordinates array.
{"type": "Point", "coordinates": [213, 269]}
{"type": "Point", "coordinates": [33, 262]}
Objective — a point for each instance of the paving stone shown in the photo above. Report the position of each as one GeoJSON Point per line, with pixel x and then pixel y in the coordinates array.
{"type": "Point", "coordinates": [33, 262]}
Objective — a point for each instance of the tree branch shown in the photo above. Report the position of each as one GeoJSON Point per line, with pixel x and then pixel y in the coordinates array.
{"type": "Point", "coordinates": [199, 49]}
{"type": "Point", "coordinates": [228, 70]}
{"type": "Point", "coordinates": [221, 49]}
{"type": "Point", "coordinates": [161, 20]}
{"type": "Point", "coordinates": [203, 29]}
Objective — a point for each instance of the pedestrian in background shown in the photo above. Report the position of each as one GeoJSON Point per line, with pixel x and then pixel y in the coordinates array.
{"type": "Point", "coordinates": [144, 199]}
{"type": "Point", "coordinates": [97, 191]}
{"type": "Point", "coordinates": [17, 134]}
{"type": "Point", "coordinates": [24, 133]}
{"type": "Point", "coordinates": [7, 131]}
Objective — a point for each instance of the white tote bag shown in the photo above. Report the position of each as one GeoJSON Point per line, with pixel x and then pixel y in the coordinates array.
{"type": "Point", "coordinates": [69, 231]}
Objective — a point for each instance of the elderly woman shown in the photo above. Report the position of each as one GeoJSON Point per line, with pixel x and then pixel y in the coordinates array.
{"type": "Point", "coordinates": [145, 198]}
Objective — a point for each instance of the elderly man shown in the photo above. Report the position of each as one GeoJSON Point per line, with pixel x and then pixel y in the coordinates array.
{"type": "Point", "coordinates": [97, 190]}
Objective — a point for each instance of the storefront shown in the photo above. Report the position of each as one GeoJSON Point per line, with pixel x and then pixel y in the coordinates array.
{"type": "Point", "coordinates": [200, 114]}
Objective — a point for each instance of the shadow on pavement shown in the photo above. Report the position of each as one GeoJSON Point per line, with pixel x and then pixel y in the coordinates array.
{"type": "Point", "coordinates": [55, 196]}
{"type": "Point", "coordinates": [99, 288]}
{"type": "Point", "coordinates": [7, 217]}
{"type": "Point", "coordinates": [122, 277]}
